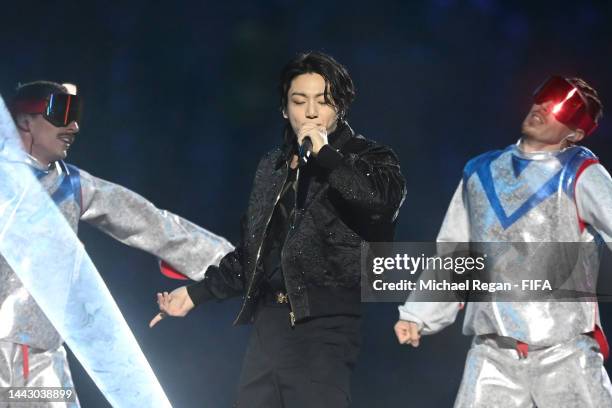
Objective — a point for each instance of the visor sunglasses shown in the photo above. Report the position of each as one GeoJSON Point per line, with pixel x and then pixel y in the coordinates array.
{"type": "Point", "coordinates": [59, 109]}
{"type": "Point", "coordinates": [570, 105]}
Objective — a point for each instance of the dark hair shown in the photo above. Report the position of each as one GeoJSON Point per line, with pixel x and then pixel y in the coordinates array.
{"type": "Point", "coordinates": [337, 79]}
{"type": "Point", "coordinates": [594, 105]}
{"type": "Point", "coordinates": [35, 90]}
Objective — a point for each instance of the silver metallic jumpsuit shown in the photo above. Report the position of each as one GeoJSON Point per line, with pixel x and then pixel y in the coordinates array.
{"type": "Point", "coordinates": [527, 354]}
{"type": "Point", "coordinates": [31, 351]}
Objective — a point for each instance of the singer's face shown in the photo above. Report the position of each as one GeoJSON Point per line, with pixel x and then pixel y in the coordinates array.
{"type": "Point", "coordinates": [306, 104]}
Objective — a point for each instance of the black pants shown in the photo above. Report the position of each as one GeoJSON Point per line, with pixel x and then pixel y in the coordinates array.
{"type": "Point", "coordinates": [306, 366]}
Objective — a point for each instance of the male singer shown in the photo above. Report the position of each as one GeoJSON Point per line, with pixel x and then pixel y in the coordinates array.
{"type": "Point", "coordinates": [314, 201]}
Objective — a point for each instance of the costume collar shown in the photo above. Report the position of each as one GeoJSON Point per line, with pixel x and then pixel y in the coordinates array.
{"type": "Point", "coordinates": [539, 155]}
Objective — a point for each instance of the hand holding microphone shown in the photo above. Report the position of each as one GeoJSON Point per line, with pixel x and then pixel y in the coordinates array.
{"type": "Point", "coordinates": [311, 138]}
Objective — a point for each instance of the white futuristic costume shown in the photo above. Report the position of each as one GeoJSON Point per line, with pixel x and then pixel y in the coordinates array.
{"type": "Point", "coordinates": [31, 351]}
{"type": "Point", "coordinates": [532, 353]}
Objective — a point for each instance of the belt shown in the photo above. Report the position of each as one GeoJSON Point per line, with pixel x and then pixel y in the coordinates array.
{"type": "Point", "coordinates": [522, 348]}
{"type": "Point", "coordinates": [278, 298]}
{"type": "Point", "coordinates": [275, 297]}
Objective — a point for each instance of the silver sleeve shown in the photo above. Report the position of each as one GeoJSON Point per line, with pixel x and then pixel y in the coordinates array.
{"type": "Point", "coordinates": [431, 317]}
{"type": "Point", "coordinates": [456, 224]}
{"type": "Point", "coordinates": [134, 221]}
{"type": "Point", "coordinates": [594, 200]}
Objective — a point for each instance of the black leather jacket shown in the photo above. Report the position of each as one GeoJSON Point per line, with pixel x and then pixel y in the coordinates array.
{"type": "Point", "coordinates": [349, 195]}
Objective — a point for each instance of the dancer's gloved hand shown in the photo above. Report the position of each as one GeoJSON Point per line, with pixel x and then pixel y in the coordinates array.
{"type": "Point", "coordinates": [407, 332]}
{"type": "Point", "coordinates": [176, 303]}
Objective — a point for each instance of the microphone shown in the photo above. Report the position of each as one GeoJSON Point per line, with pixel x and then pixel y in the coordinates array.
{"type": "Point", "coordinates": [305, 151]}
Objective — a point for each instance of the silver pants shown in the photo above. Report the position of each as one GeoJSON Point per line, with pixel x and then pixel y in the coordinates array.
{"type": "Point", "coordinates": [563, 376]}
{"type": "Point", "coordinates": [47, 368]}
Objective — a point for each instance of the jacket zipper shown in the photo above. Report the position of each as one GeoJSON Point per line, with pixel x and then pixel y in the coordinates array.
{"type": "Point", "coordinates": [297, 179]}
{"type": "Point", "coordinates": [263, 239]}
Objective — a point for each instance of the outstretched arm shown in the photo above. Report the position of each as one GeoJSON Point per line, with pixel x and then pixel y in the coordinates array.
{"type": "Point", "coordinates": [219, 282]}
{"type": "Point", "coordinates": [135, 221]}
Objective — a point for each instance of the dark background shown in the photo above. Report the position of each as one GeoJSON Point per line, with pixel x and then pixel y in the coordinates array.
{"type": "Point", "coordinates": [181, 102]}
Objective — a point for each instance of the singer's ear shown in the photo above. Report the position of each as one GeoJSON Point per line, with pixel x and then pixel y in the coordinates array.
{"type": "Point", "coordinates": [285, 114]}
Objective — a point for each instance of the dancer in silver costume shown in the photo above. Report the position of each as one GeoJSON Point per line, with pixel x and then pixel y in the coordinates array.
{"type": "Point", "coordinates": [543, 189]}
{"type": "Point", "coordinates": [47, 116]}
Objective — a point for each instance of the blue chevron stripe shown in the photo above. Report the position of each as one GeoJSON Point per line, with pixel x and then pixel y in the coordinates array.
{"type": "Point", "coordinates": [75, 180]}
{"type": "Point", "coordinates": [486, 178]}
{"type": "Point", "coordinates": [68, 184]}
{"type": "Point", "coordinates": [63, 192]}
{"type": "Point", "coordinates": [519, 164]}
{"type": "Point", "coordinates": [570, 160]}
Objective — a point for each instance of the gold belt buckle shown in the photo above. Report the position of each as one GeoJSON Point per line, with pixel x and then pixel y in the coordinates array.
{"type": "Point", "coordinates": [282, 298]}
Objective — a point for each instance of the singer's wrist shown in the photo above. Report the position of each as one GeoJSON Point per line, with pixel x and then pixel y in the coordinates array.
{"type": "Point", "coordinates": [316, 147]}
{"type": "Point", "coordinates": [329, 157]}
